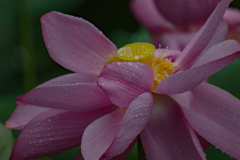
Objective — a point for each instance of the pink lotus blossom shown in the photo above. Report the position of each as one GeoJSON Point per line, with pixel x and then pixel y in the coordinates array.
{"type": "Point", "coordinates": [108, 102]}
{"type": "Point", "coordinates": [175, 22]}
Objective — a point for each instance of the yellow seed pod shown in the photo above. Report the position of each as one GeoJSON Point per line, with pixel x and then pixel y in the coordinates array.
{"type": "Point", "coordinates": [136, 52]}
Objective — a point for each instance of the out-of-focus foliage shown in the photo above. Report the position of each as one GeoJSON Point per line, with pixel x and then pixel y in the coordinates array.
{"type": "Point", "coordinates": [113, 17]}
{"type": "Point", "coordinates": [216, 154]}
{"type": "Point", "coordinates": [228, 78]}
{"type": "Point", "coordinates": [6, 142]}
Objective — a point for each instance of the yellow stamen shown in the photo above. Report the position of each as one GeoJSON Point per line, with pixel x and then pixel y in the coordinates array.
{"type": "Point", "coordinates": [135, 52]}
{"type": "Point", "coordinates": [162, 68]}
{"type": "Point", "coordinates": [144, 53]}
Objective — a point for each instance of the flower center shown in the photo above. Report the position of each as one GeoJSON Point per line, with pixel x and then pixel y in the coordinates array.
{"type": "Point", "coordinates": [144, 53]}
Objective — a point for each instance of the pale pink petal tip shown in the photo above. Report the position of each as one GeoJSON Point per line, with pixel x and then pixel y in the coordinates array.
{"type": "Point", "coordinates": [75, 43]}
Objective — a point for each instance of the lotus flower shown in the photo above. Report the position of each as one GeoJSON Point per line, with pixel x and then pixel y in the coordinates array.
{"type": "Point", "coordinates": [175, 22]}
{"type": "Point", "coordinates": [117, 94]}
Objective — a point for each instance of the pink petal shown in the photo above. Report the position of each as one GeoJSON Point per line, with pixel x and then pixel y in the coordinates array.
{"type": "Point", "coordinates": [135, 119]}
{"type": "Point", "coordinates": [125, 154]}
{"type": "Point", "coordinates": [121, 156]}
{"type": "Point", "coordinates": [204, 143]}
{"type": "Point", "coordinates": [183, 81]}
{"type": "Point", "coordinates": [79, 97]}
{"type": "Point", "coordinates": [219, 51]}
{"type": "Point", "coordinates": [111, 135]}
{"type": "Point", "coordinates": [234, 34]}
{"type": "Point", "coordinates": [167, 53]}
{"type": "Point", "coordinates": [186, 13]}
{"type": "Point", "coordinates": [99, 135]}
{"type": "Point", "coordinates": [219, 36]}
{"type": "Point", "coordinates": [178, 41]}
{"type": "Point", "coordinates": [203, 37]}
{"type": "Point", "coordinates": [214, 115]}
{"type": "Point", "coordinates": [167, 134]}
{"type": "Point", "coordinates": [232, 16]}
{"type": "Point", "coordinates": [124, 81]}
{"type": "Point", "coordinates": [23, 114]}
{"type": "Point", "coordinates": [147, 14]}
{"type": "Point", "coordinates": [175, 41]}
{"type": "Point", "coordinates": [69, 79]}
{"type": "Point", "coordinates": [75, 43]}
{"type": "Point", "coordinates": [53, 132]}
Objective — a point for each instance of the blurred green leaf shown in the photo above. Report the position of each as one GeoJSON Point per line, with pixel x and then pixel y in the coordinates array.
{"type": "Point", "coordinates": [216, 154]}
{"type": "Point", "coordinates": [122, 37]}
{"type": "Point", "coordinates": [7, 105]}
{"type": "Point", "coordinates": [40, 7]}
{"type": "Point", "coordinates": [6, 142]}
{"type": "Point", "coordinates": [238, 96]}
{"type": "Point", "coordinates": [228, 78]}
{"type": "Point", "coordinates": [134, 153]}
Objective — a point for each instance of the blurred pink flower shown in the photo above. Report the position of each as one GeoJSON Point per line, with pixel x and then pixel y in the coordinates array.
{"type": "Point", "coordinates": [106, 114]}
{"type": "Point", "coordinates": [175, 22]}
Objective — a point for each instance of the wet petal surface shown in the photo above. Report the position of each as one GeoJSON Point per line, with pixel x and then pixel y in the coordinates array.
{"type": "Point", "coordinates": [75, 44]}
{"type": "Point", "coordinates": [124, 81]}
